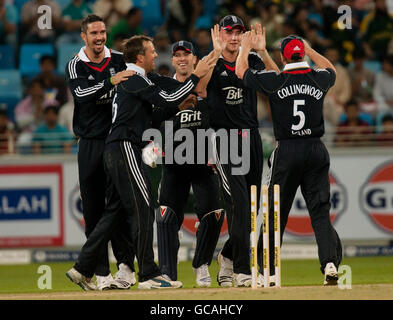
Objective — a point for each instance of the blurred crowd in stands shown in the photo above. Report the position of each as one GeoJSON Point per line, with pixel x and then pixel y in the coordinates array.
{"type": "Point", "coordinates": [358, 109]}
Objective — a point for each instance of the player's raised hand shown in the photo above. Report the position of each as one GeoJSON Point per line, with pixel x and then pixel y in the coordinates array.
{"type": "Point", "coordinates": [247, 41]}
{"type": "Point", "coordinates": [307, 46]}
{"type": "Point", "coordinates": [204, 66]}
{"type": "Point", "coordinates": [258, 37]}
{"type": "Point", "coordinates": [219, 43]}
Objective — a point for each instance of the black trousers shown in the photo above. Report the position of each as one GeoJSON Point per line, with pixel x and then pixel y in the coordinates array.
{"type": "Point", "coordinates": [304, 163]}
{"type": "Point", "coordinates": [92, 181]}
{"type": "Point", "coordinates": [236, 195]}
{"type": "Point", "coordinates": [128, 193]}
{"type": "Point", "coordinates": [175, 187]}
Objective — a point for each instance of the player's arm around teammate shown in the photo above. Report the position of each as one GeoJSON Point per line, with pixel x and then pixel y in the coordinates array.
{"type": "Point", "coordinates": [91, 76]}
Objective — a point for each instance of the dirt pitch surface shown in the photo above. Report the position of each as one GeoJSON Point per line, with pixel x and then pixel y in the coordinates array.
{"type": "Point", "coordinates": [358, 292]}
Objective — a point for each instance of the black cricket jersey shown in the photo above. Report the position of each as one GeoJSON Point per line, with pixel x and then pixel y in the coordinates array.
{"type": "Point", "coordinates": [192, 119]}
{"type": "Point", "coordinates": [296, 98]}
{"type": "Point", "coordinates": [135, 101]}
{"type": "Point", "coordinates": [234, 106]}
{"type": "Point", "coordinates": [93, 92]}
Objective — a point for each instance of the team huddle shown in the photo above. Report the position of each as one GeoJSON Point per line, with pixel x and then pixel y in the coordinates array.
{"type": "Point", "coordinates": [118, 99]}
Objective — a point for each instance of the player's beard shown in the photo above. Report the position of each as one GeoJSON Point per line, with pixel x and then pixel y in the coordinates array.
{"type": "Point", "coordinates": [184, 72]}
{"type": "Point", "coordinates": [98, 51]}
{"type": "Point", "coordinates": [150, 67]}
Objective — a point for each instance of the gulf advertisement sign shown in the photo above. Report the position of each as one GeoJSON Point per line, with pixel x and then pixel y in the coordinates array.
{"type": "Point", "coordinates": [376, 197]}
{"type": "Point", "coordinates": [299, 222]}
{"type": "Point", "coordinates": [31, 206]}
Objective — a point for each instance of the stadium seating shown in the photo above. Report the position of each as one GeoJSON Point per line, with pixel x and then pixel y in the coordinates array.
{"type": "Point", "coordinates": [374, 66]}
{"type": "Point", "coordinates": [65, 53]}
{"type": "Point", "coordinates": [364, 116]}
{"type": "Point", "coordinates": [203, 22]}
{"type": "Point", "coordinates": [10, 83]}
{"type": "Point", "coordinates": [10, 90]}
{"type": "Point", "coordinates": [7, 57]}
{"type": "Point", "coordinates": [19, 4]}
{"type": "Point", "coordinates": [63, 3]}
{"type": "Point", "coordinates": [152, 17]}
{"type": "Point", "coordinates": [379, 117]}
{"type": "Point", "coordinates": [30, 55]}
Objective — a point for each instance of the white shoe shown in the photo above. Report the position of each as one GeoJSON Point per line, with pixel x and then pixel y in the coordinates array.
{"type": "Point", "coordinates": [159, 282]}
{"type": "Point", "coordinates": [331, 276]}
{"type": "Point", "coordinates": [242, 280]}
{"type": "Point", "coordinates": [124, 278]}
{"type": "Point", "coordinates": [82, 281]}
{"type": "Point", "coordinates": [225, 272]}
{"type": "Point", "coordinates": [104, 282]}
{"type": "Point", "coordinates": [203, 276]}
{"type": "Point", "coordinates": [260, 281]}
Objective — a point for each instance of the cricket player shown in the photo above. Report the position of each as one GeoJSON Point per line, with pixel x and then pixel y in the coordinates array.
{"type": "Point", "coordinates": [300, 158]}
{"type": "Point", "coordinates": [128, 188]}
{"type": "Point", "coordinates": [177, 179]}
{"type": "Point", "coordinates": [92, 75]}
{"type": "Point", "coordinates": [234, 106]}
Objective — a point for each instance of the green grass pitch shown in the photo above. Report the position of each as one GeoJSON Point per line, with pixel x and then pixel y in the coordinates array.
{"type": "Point", "coordinates": [366, 270]}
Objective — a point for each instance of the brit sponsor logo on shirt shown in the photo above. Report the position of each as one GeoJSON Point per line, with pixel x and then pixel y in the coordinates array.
{"type": "Point", "coordinates": [234, 95]}
{"type": "Point", "coordinates": [376, 197]}
{"type": "Point", "coordinates": [299, 222]}
{"type": "Point", "coordinates": [190, 118]}
{"type": "Point", "coordinates": [107, 96]}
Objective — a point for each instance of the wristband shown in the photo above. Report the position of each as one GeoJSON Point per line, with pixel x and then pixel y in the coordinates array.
{"type": "Point", "coordinates": [111, 81]}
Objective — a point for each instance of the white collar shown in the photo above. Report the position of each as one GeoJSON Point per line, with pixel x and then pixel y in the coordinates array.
{"type": "Point", "coordinates": [137, 69]}
{"type": "Point", "coordinates": [174, 76]}
{"type": "Point", "coordinates": [296, 65]}
{"type": "Point", "coordinates": [82, 55]}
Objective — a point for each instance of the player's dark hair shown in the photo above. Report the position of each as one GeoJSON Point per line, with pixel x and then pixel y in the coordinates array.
{"type": "Point", "coordinates": [89, 19]}
{"type": "Point", "coordinates": [133, 46]}
{"type": "Point", "coordinates": [296, 57]}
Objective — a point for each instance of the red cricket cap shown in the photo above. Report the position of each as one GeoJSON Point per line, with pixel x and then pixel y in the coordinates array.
{"type": "Point", "coordinates": [292, 45]}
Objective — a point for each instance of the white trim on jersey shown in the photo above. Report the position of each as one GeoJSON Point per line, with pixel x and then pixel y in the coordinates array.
{"type": "Point", "coordinates": [296, 65]}
{"type": "Point", "coordinates": [72, 67]}
{"type": "Point", "coordinates": [179, 93]}
{"type": "Point", "coordinates": [266, 71]}
{"type": "Point", "coordinates": [85, 92]}
{"type": "Point", "coordinates": [137, 69]}
{"type": "Point", "coordinates": [82, 55]}
{"type": "Point", "coordinates": [132, 163]}
{"type": "Point", "coordinates": [140, 71]}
